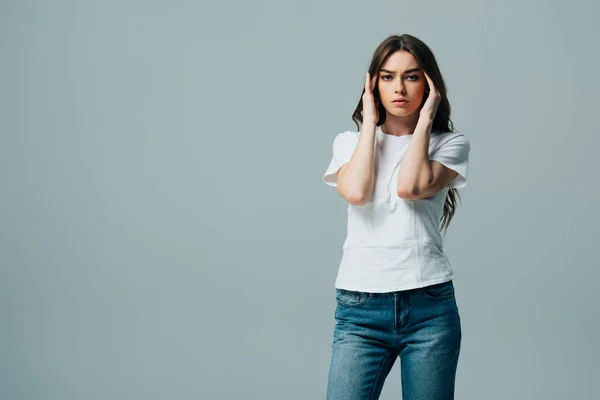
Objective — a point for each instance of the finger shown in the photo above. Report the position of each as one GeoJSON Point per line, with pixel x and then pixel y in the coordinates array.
{"type": "Point", "coordinates": [428, 79]}
{"type": "Point", "coordinates": [432, 87]}
{"type": "Point", "coordinates": [368, 88]}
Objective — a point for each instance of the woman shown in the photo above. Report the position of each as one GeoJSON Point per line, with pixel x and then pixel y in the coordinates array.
{"type": "Point", "coordinates": [399, 174]}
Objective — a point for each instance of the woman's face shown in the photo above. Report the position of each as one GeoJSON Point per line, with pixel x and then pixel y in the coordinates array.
{"type": "Point", "coordinates": [400, 77]}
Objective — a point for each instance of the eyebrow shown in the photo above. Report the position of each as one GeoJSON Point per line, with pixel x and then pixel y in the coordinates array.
{"type": "Point", "coordinates": [406, 72]}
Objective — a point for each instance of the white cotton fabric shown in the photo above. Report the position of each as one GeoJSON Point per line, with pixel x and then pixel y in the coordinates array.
{"type": "Point", "coordinates": [392, 243]}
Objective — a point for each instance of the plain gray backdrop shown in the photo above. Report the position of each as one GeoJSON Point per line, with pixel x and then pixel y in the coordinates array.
{"type": "Point", "coordinates": [166, 233]}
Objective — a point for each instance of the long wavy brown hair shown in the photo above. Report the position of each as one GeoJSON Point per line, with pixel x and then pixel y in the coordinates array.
{"type": "Point", "coordinates": [441, 122]}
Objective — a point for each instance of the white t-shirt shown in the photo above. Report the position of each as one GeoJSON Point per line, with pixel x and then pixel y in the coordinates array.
{"type": "Point", "coordinates": [392, 243]}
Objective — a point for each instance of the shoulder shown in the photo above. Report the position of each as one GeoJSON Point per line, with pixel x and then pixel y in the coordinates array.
{"type": "Point", "coordinates": [347, 137]}
{"type": "Point", "coordinates": [349, 134]}
{"type": "Point", "coordinates": [439, 139]}
{"type": "Point", "coordinates": [446, 136]}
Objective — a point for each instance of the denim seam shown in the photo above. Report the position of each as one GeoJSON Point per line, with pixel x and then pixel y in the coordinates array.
{"type": "Point", "coordinates": [437, 298]}
{"type": "Point", "coordinates": [359, 303]}
{"type": "Point", "coordinates": [446, 297]}
{"type": "Point", "coordinates": [387, 356]}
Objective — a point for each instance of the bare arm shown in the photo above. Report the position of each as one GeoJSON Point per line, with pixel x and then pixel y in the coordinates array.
{"type": "Point", "coordinates": [356, 177]}
{"type": "Point", "coordinates": [415, 169]}
{"type": "Point", "coordinates": [418, 177]}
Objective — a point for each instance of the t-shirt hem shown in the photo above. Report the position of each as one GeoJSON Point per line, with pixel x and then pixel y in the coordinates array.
{"type": "Point", "coordinates": [446, 278]}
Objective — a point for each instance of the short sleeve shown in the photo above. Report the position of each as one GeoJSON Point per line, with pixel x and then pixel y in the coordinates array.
{"type": "Point", "coordinates": [454, 154]}
{"type": "Point", "coordinates": [343, 148]}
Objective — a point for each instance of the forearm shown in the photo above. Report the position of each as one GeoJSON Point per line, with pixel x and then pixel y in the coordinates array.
{"type": "Point", "coordinates": [358, 178]}
{"type": "Point", "coordinates": [415, 169]}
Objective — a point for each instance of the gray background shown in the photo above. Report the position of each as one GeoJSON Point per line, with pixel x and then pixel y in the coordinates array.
{"type": "Point", "coordinates": [165, 230]}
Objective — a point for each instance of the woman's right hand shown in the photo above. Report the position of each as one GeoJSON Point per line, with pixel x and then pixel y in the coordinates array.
{"type": "Point", "coordinates": [370, 112]}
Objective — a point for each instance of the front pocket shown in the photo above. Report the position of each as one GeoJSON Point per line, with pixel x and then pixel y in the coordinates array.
{"type": "Point", "coordinates": [438, 291]}
{"type": "Point", "coordinates": [350, 298]}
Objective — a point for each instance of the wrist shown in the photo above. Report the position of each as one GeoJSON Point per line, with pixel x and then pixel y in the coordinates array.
{"type": "Point", "coordinates": [425, 120]}
{"type": "Point", "coordinates": [369, 123]}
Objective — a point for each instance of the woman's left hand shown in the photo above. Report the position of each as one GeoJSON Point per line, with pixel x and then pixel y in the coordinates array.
{"type": "Point", "coordinates": [430, 107]}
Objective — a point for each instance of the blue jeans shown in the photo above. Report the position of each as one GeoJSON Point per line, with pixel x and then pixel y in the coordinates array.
{"type": "Point", "coordinates": [420, 326]}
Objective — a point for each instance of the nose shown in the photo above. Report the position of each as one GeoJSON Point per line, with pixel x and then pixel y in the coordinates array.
{"type": "Point", "coordinates": [399, 87]}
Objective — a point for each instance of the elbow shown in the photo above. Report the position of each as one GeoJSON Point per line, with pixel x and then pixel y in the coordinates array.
{"type": "Point", "coordinates": [356, 199]}
{"type": "Point", "coordinates": [407, 193]}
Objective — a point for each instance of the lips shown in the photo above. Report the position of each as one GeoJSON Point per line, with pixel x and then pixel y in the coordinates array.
{"type": "Point", "coordinates": [400, 101]}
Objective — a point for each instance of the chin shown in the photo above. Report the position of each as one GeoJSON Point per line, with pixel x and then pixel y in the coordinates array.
{"type": "Point", "coordinates": [400, 112]}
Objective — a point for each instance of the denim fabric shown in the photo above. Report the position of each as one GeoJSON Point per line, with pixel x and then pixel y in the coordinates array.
{"type": "Point", "coordinates": [420, 326]}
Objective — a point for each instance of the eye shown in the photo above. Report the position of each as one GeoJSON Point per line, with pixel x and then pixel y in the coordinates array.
{"type": "Point", "coordinates": [412, 78]}
{"type": "Point", "coordinates": [383, 77]}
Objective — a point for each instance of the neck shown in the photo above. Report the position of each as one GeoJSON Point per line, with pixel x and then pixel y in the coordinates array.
{"type": "Point", "coordinates": [400, 126]}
